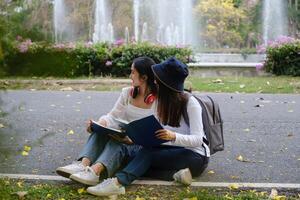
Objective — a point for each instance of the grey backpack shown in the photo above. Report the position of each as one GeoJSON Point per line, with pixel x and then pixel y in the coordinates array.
{"type": "Point", "coordinates": [212, 123]}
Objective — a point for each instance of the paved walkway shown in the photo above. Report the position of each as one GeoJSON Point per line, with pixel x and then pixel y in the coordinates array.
{"type": "Point", "coordinates": [261, 129]}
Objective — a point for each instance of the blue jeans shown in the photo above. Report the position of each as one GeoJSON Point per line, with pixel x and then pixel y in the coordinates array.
{"type": "Point", "coordinates": [162, 162]}
{"type": "Point", "coordinates": [100, 148]}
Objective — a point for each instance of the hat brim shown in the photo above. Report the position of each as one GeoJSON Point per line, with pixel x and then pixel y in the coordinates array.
{"type": "Point", "coordinates": [161, 76]}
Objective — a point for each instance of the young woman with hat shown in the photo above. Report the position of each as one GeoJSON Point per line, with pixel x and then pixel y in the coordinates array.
{"type": "Point", "coordinates": [102, 155]}
{"type": "Point", "coordinates": [184, 155]}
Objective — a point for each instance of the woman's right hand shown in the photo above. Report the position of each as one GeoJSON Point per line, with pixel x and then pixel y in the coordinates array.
{"type": "Point", "coordinates": [89, 124]}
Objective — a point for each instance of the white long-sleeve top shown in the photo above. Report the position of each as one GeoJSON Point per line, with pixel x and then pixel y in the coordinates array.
{"type": "Point", "coordinates": [191, 137]}
{"type": "Point", "coordinates": [123, 109]}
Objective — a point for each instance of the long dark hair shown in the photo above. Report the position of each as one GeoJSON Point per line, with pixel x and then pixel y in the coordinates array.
{"type": "Point", "coordinates": [171, 105]}
{"type": "Point", "coordinates": [143, 67]}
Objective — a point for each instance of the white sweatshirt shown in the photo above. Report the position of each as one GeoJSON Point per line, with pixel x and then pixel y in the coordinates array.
{"type": "Point", "coordinates": [126, 111]}
{"type": "Point", "coordinates": [191, 137]}
{"type": "Point", "coordinates": [188, 137]}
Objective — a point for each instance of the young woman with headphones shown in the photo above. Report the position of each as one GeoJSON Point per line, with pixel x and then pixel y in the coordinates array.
{"type": "Point", "coordinates": [102, 155]}
{"type": "Point", "coordinates": [184, 154]}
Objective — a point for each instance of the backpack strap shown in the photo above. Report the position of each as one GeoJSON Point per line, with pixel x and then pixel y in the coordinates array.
{"type": "Point", "coordinates": [187, 121]}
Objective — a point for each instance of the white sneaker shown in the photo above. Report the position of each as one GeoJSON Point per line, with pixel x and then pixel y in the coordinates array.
{"type": "Point", "coordinates": [107, 188]}
{"type": "Point", "coordinates": [87, 177]}
{"type": "Point", "coordinates": [183, 176]}
{"type": "Point", "coordinates": [68, 170]}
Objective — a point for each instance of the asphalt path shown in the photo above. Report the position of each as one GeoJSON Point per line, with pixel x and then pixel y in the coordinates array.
{"type": "Point", "coordinates": [262, 130]}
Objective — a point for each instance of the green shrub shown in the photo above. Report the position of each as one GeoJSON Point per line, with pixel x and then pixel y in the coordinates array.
{"type": "Point", "coordinates": [28, 58]}
{"type": "Point", "coordinates": [123, 56]}
{"type": "Point", "coordinates": [283, 59]}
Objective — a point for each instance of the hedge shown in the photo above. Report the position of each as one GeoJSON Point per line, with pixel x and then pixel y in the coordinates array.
{"type": "Point", "coordinates": [28, 58]}
{"type": "Point", "coordinates": [283, 57]}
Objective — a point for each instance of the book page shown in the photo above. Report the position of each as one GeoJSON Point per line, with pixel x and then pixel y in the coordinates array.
{"type": "Point", "coordinates": [113, 129]}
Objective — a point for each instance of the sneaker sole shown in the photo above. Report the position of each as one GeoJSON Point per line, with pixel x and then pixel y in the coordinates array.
{"type": "Point", "coordinates": [103, 194]}
{"type": "Point", "coordinates": [63, 173]}
{"type": "Point", "coordinates": [85, 182]}
{"type": "Point", "coordinates": [187, 177]}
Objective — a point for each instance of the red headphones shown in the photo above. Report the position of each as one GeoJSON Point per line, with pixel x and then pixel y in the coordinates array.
{"type": "Point", "coordinates": [149, 99]}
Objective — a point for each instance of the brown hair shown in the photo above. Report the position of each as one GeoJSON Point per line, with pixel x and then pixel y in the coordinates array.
{"type": "Point", "coordinates": [171, 105]}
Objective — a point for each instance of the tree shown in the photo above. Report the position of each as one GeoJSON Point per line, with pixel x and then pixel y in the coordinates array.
{"type": "Point", "coordinates": [221, 21]}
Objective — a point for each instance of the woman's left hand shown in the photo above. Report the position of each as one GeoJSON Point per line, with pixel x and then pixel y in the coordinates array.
{"type": "Point", "coordinates": [165, 134]}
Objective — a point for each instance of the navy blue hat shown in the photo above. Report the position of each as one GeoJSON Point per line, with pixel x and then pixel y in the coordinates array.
{"type": "Point", "coordinates": [171, 73]}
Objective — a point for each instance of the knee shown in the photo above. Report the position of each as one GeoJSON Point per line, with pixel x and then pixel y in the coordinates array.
{"type": "Point", "coordinates": [114, 144]}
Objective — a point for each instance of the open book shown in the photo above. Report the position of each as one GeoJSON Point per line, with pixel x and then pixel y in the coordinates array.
{"type": "Point", "coordinates": [140, 131]}
{"type": "Point", "coordinates": [98, 128]}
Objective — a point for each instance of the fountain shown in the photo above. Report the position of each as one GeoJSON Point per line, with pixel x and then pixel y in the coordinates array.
{"type": "Point", "coordinates": [127, 37]}
{"type": "Point", "coordinates": [103, 29]}
{"type": "Point", "coordinates": [59, 20]}
{"type": "Point", "coordinates": [176, 27]}
{"type": "Point", "coordinates": [274, 19]}
{"type": "Point", "coordinates": [145, 32]}
{"type": "Point", "coordinates": [136, 10]}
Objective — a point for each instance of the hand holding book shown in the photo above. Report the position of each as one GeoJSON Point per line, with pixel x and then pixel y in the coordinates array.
{"type": "Point", "coordinates": [102, 122]}
{"type": "Point", "coordinates": [142, 131]}
{"type": "Point", "coordinates": [165, 134]}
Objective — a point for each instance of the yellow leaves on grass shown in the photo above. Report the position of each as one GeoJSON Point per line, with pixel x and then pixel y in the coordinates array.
{"type": "Point", "coordinates": [274, 195]}
{"type": "Point", "coordinates": [192, 198]}
{"type": "Point", "coordinates": [233, 186]}
{"type": "Point", "coordinates": [81, 191]}
{"type": "Point", "coordinates": [71, 132]}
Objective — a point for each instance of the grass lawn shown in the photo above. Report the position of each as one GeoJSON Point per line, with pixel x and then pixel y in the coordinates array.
{"type": "Point", "coordinates": [272, 85]}
{"type": "Point", "coordinates": [280, 84]}
{"type": "Point", "coordinates": [58, 190]}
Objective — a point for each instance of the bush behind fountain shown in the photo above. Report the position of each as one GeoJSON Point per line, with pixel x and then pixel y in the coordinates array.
{"type": "Point", "coordinates": [28, 58]}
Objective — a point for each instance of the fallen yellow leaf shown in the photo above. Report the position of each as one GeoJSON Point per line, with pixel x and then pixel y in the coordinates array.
{"type": "Point", "coordinates": [246, 129]}
{"type": "Point", "coordinates": [233, 186]}
{"type": "Point", "coordinates": [211, 172]}
{"type": "Point", "coordinates": [279, 197]}
{"type": "Point", "coordinates": [139, 198]}
{"type": "Point", "coordinates": [49, 196]}
{"type": "Point", "coordinates": [240, 158]}
{"type": "Point", "coordinates": [81, 191]}
{"type": "Point", "coordinates": [20, 184]}
{"type": "Point", "coordinates": [71, 132]}
{"type": "Point", "coordinates": [25, 153]}
{"type": "Point", "coordinates": [1, 126]}
{"type": "Point", "coordinates": [27, 148]}
{"type": "Point", "coordinates": [234, 177]}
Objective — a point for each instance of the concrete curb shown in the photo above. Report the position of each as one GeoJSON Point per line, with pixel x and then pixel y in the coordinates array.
{"type": "Point", "coordinates": [165, 183]}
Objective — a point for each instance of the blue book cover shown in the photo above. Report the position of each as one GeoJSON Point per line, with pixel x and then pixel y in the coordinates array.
{"type": "Point", "coordinates": [141, 132]}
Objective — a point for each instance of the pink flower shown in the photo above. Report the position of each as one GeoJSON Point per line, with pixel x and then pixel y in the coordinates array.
{"type": "Point", "coordinates": [119, 42]}
{"type": "Point", "coordinates": [259, 66]}
{"type": "Point", "coordinates": [261, 49]}
{"type": "Point", "coordinates": [108, 63]}
{"type": "Point", "coordinates": [24, 46]}
{"type": "Point", "coordinates": [59, 46]}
